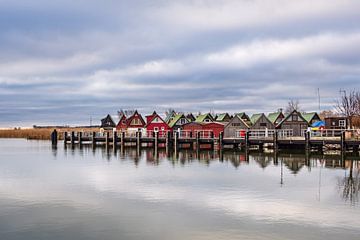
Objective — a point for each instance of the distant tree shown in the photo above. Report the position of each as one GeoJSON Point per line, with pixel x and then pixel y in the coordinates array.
{"type": "Point", "coordinates": [169, 111]}
{"type": "Point", "coordinates": [292, 105]}
{"type": "Point", "coordinates": [348, 105]}
{"type": "Point", "coordinates": [327, 113]}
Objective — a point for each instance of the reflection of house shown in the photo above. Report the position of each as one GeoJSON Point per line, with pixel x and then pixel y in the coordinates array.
{"type": "Point", "coordinates": [260, 121]}
{"type": "Point", "coordinates": [276, 117]}
{"type": "Point", "coordinates": [223, 117]}
{"type": "Point", "coordinates": [335, 123]}
{"type": "Point", "coordinates": [107, 122]}
{"type": "Point", "coordinates": [311, 117]}
{"type": "Point", "coordinates": [295, 122]}
{"type": "Point", "coordinates": [178, 121]}
{"type": "Point", "coordinates": [294, 165]}
{"type": "Point", "coordinates": [235, 127]}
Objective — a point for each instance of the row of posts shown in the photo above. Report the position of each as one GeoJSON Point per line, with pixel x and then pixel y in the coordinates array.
{"type": "Point", "coordinates": [78, 138]}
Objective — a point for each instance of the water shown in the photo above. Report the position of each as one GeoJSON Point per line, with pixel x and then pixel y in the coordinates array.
{"type": "Point", "coordinates": [96, 194]}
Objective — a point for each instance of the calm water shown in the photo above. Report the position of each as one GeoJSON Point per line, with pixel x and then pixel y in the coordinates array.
{"type": "Point", "coordinates": [86, 194]}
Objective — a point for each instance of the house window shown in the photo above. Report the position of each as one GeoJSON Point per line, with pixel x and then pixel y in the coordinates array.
{"type": "Point", "coordinates": [162, 128]}
{"type": "Point", "coordinates": [342, 123]}
{"type": "Point", "coordinates": [156, 129]}
{"type": "Point", "coordinates": [294, 118]}
{"type": "Point", "coordinates": [333, 123]}
{"type": "Point", "coordinates": [263, 125]}
{"type": "Point", "coordinates": [207, 120]}
{"type": "Point", "coordinates": [236, 124]}
{"type": "Point", "coordinates": [182, 121]}
{"type": "Point", "coordinates": [135, 121]}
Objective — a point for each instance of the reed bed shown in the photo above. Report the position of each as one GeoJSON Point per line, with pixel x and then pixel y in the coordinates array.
{"type": "Point", "coordinates": [40, 133]}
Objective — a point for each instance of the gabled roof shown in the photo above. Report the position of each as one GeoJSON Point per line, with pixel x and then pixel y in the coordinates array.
{"type": "Point", "coordinates": [169, 116]}
{"type": "Point", "coordinates": [152, 117]}
{"type": "Point", "coordinates": [190, 117]}
{"type": "Point", "coordinates": [128, 121]}
{"type": "Point", "coordinates": [309, 116]}
{"type": "Point", "coordinates": [202, 117]}
{"type": "Point", "coordinates": [273, 116]}
{"type": "Point", "coordinates": [222, 116]}
{"type": "Point", "coordinates": [237, 117]}
{"type": "Point", "coordinates": [288, 116]}
{"type": "Point", "coordinates": [107, 121]}
{"type": "Point", "coordinates": [255, 117]}
{"type": "Point", "coordinates": [175, 119]}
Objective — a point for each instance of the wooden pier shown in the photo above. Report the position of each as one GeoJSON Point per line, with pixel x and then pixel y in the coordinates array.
{"type": "Point", "coordinates": [176, 140]}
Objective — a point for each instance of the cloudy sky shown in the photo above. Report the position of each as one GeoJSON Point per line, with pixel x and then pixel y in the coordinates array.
{"type": "Point", "coordinates": [64, 61]}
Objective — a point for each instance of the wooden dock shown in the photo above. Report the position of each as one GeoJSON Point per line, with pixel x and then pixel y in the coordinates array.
{"type": "Point", "coordinates": [206, 140]}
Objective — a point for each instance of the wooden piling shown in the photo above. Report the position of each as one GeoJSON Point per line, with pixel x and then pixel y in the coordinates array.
{"type": "Point", "coordinates": [176, 141]}
{"type": "Point", "coordinates": [72, 138]}
{"type": "Point", "coordinates": [115, 140]}
{"type": "Point", "coordinates": [122, 139]}
{"type": "Point", "coordinates": [221, 138]}
{"type": "Point", "coordinates": [65, 137]}
{"type": "Point", "coordinates": [93, 140]}
{"type": "Point", "coordinates": [107, 139]}
{"type": "Point", "coordinates": [342, 141]}
{"type": "Point", "coordinates": [80, 137]}
{"type": "Point", "coordinates": [307, 141]}
{"type": "Point", "coordinates": [247, 143]}
{"type": "Point", "coordinates": [138, 139]}
{"type": "Point", "coordinates": [275, 144]}
{"type": "Point", "coordinates": [156, 140]}
{"type": "Point", "coordinates": [54, 137]}
{"type": "Point", "coordinates": [198, 141]}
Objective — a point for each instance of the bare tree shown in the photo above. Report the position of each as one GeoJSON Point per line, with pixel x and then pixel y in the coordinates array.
{"type": "Point", "coordinates": [348, 105]}
{"type": "Point", "coordinates": [292, 105]}
{"type": "Point", "coordinates": [349, 186]}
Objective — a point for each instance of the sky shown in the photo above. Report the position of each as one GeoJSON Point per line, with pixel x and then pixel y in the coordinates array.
{"type": "Point", "coordinates": [64, 62]}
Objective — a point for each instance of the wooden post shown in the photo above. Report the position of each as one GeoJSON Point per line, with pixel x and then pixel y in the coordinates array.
{"type": "Point", "coordinates": [342, 141]}
{"type": "Point", "coordinates": [72, 138]}
{"type": "Point", "coordinates": [168, 139]}
{"type": "Point", "coordinates": [93, 140]}
{"type": "Point", "coordinates": [176, 141]}
{"type": "Point", "coordinates": [54, 137]}
{"type": "Point", "coordinates": [212, 140]}
{"type": "Point", "coordinates": [198, 141]}
{"type": "Point", "coordinates": [221, 138]}
{"type": "Point", "coordinates": [65, 137]}
{"type": "Point", "coordinates": [115, 140]}
{"type": "Point", "coordinates": [80, 137]}
{"type": "Point", "coordinates": [307, 140]}
{"type": "Point", "coordinates": [122, 139]}
{"type": "Point", "coordinates": [107, 139]}
{"type": "Point", "coordinates": [247, 134]}
{"type": "Point", "coordinates": [138, 139]}
{"type": "Point", "coordinates": [156, 139]}
{"type": "Point", "coordinates": [276, 136]}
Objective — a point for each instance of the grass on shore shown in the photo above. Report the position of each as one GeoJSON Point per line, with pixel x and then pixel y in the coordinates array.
{"type": "Point", "coordinates": [39, 133]}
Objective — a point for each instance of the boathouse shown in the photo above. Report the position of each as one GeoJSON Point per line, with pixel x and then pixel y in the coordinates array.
{"type": "Point", "coordinates": [295, 123]}
{"type": "Point", "coordinates": [260, 121]}
{"type": "Point", "coordinates": [223, 117]}
{"type": "Point", "coordinates": [107, 123]}
{"type": "Point", "coordinates": [276, 117]}
{"type": "Point", "coordinates": [178, 121]}
{"type": "Point", "coordinates": [215, 127]}
{"type": "Point", "coordinates": [122, 122]}
{"type": "Point", "coordinates": [311, 117]}
{"type": "Point", "coordinates": [335, 123]}
{"type": "Point", "coordinates": [135, 122]}
{"type": "Point", "coordinates": [235, 128]}
{"type": "Point", "coordinates": [204, 118]}
{"type": "Point", "coordinates": [154, 123]}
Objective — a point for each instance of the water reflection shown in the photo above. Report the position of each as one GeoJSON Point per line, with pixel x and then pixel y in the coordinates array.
{"type": "Point", "coordinates": [131, 193]}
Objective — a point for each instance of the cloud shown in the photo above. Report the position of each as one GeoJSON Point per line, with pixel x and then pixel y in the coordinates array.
{"type": "Point", "coordinates": [191, 55]}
